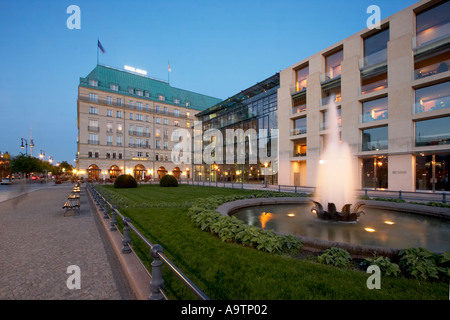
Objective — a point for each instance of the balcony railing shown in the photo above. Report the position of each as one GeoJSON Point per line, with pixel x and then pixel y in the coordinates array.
{"type": "Point", "coordinates": [431, 36]}
{"type": "Point", "coordinates": [298, 131]}
{"type": "Point", "coordinates": [94, 142]}
{"type": "Point", "coordinates": [431, 70]}
{"type": "Point", "coordinates": [374, 59]}
{"type": "Point", "coordinates": [94, 128]}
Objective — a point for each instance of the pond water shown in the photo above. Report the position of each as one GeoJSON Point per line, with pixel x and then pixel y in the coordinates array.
{"type": "Point", "coordinates": [384, 228]}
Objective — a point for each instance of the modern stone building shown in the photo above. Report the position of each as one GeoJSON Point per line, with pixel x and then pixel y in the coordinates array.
{"type": "Point", "coordinates": [392, 90]}
{"type": "Point", "coordinates": [125, 122]}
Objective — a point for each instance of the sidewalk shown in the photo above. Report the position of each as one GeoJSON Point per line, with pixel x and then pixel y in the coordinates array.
{"type": "Point", "coordinates": [38, 243]}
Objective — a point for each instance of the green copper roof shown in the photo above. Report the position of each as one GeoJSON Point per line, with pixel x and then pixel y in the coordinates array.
{"type": "Point", "coordinates": [105, 76]}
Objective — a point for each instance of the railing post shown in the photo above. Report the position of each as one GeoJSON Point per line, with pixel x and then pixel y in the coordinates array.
{"type": "Point", "coordinates": [444, 200]}
{"type": "Point", "coordinates": [400, 194]}
{"type": "Point", "coordinates": [105, 209]}
{"type": "Point", "coordinates": [113, 219]}
{"type": "Point", "coordinates": [157, 282]}
{"type": "Point", "coordinates": [126, 236]}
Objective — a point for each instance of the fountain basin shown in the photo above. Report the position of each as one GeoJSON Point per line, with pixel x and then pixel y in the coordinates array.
{"type": "Point", "coordinates": [412, 225]}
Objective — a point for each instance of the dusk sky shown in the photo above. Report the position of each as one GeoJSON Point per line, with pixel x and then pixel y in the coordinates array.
{"type": "Point", "coordinates": [216, 48]}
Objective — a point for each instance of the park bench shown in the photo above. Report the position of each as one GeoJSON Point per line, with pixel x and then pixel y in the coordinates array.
{"type": "Point", "coordinates": [72, 204]}
{"type": "Point", "coordinates": [73, 200]}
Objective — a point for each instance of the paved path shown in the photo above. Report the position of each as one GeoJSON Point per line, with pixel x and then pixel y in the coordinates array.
{"type": "Point", "coordinates": [38, 243]}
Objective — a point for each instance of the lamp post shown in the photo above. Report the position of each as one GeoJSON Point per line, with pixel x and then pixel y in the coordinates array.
{"type": "Point", "coordinates": [26, 146]}
{"type": "Point", "coordinates": [265, 174]}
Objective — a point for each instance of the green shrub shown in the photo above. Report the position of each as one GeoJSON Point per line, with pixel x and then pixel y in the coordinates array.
{"type": "Point", "coordinates": [419, 263]}
{"type": "Point", "coordinates": [230, 229]}
{"type": "Point", "coordinates": [168, 181]}
{"type": "Point", "coordinates": [335, 256]}
{"type": "Point", "coordinates": [125, 181]}
{"type": "Point", "coordinates": [384, 263]}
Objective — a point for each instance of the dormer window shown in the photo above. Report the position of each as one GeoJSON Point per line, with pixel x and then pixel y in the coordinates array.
{"type": "Point", "coordinates": [114, 87]}
{"type": "Point", "coordinates": [161, 97]}
{"type": "Point", "coordinates": [176, 101]}
{"type": "Point", "coordinates": [93, 83]}
{"type": "Point", "coordinates": [130, 90]}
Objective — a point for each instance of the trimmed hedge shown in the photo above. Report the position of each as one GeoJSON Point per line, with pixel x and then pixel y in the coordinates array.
{"type": "Point", "coordinates": [125, 181]}
{"type": "Point", "coordinates": [168, 181]}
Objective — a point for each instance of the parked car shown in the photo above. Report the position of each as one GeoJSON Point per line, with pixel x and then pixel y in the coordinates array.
{"type": "Point", "coordinates": [6, 181]}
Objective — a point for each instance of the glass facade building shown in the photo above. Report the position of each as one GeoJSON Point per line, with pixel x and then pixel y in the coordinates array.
{"type": "Point", "coordinates": [251, 110]}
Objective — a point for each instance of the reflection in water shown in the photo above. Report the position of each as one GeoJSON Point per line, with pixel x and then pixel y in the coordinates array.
{"type": "Point", "coordinates": [264, 218]}
{"type": "Point", "coordinates": [377, 227]}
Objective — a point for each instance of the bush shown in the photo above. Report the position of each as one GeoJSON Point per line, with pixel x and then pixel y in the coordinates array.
{"type": "Point", "coordinates": [420, 263]}
{"type": "Point", "coordinates": [335, 256]}
{"type": "Point", "coordinates": [384, 263]}
{"type": "Point", "coordinates": [125, 181]}
{"type": "Point", "coordinates": [168, 181]}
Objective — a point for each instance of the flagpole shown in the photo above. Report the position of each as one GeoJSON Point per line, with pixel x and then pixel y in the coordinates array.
{"type": "Point", "coordinates": [97, 51]}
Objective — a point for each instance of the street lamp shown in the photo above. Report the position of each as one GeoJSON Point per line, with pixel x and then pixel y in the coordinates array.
{"type": "Point", "coordinates": [26, 144]}
{"type": "Point", "coordinates": [265, 174]}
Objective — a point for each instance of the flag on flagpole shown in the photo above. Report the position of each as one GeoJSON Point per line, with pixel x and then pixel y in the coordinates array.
{"type": "Point", "coordinates": [100, 46]}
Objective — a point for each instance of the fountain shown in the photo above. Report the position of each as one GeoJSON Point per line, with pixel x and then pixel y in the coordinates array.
{"type": "Point", "coordinates": [335, 178]}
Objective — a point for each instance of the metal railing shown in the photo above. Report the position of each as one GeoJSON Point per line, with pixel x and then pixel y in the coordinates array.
{"type": "Point", "coordinates": [156, 250]}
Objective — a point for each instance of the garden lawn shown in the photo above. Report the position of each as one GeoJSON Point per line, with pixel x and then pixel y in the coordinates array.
{"type": "Point", "coordinates": [226, 271]}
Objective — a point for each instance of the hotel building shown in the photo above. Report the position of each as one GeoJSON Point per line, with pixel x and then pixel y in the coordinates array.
{"type": "Point", "coordinates": [392, 90]}
{"type": "Point", "coordinates": [125, 122]}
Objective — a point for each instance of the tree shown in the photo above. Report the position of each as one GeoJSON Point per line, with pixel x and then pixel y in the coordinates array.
{"type": "Point", "coordinates": [26, 164]}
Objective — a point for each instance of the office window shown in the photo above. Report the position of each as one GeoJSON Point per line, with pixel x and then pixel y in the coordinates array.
{"type": "Point", "coordinates": [119, 114]}
{"type": "Point", "coordinates": [109, 112]}
{"type": "Point", "coordinates": [433, 24]}
{"type": "Point", "coordinates": [433, 132]}
{"type": "Point", "coordinates": [375, 48]}
{"type": "Point", "coordinates": [433, 97]}
{"type": "Point", "coordinates": [109, 127]}
{"type": "Point", "coordinates": [333, 65]}
{"type": "Point", "coordinates": [131, 116]}
{"type": "Point", "coordinates": [119, 141]}
{"type": "Point", "coordinates": [108, 100]}
{"type": "Point", "coordinates": [375, 139]}
{"type": "Point", "coordinates": [375, 110]}
{"type": "Point", "coordinates": [119, 102]}
{"type": "Point", "coordinates": [139, 117]}
{"type": "Point", "coordinates": [93, 138]}
{"type": "Point", "coordinates": [139, 106]}
{"type": "Point", "coordinates": [176, 113]}
{"type": "Point", "coordinates": [299, 126]}
{"type": "Point", "coordinates": [301, 75]}
{"type": "Point", "coordinates": [157, 120]}
{"type": "Point", "coordinates": [165, 121]}
{"type": "Point", "coordinates": [166, 110]}
{"type": "Point", "coordinates": [157, 109]}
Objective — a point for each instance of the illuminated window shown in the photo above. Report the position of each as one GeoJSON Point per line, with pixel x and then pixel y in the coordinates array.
{"type": "Point", "coordinates": [375, 110]}
{"type": "Point", "coordinates": [433, 97]}
{"type": "Point", "coordinates": [333, 64]}
{"type": "Point", "coordinates": [301, 76]}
